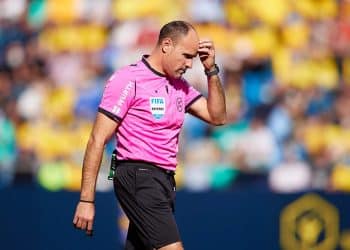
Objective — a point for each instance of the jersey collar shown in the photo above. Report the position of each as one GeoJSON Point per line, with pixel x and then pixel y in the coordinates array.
{"type": "Point", "coordinates": [144, 60]}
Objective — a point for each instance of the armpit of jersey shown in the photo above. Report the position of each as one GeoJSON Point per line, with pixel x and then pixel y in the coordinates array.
{"type": "Point", "coordinates": [192, 101]}
{"type": "Point", "coordinates": [191, 96]}
{"type": "Point", "coordinates": [118, 95]}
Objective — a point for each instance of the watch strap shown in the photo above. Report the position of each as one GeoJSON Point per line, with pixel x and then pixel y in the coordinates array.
{"type": "Point", "coordinates": [215, 71]}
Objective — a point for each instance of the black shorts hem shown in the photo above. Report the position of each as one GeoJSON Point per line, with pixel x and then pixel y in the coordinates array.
{"type": "Point", "coordinates": [165, 244]}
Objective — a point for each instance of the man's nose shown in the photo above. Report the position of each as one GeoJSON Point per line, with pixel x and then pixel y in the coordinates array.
{"type": "Point", "coordinates": [189, 63]}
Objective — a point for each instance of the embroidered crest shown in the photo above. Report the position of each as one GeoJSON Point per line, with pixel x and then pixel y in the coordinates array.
{"type": "Point", "coordinates": [157, 105]}
{"type": "Point", "coordinates": [179, 104]}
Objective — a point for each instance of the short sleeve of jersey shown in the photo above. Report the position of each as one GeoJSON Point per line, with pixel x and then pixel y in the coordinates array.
{"type": "Point", "coordinates": [192, 95]}
{"type": "Point", "coordinates": [117, 96]}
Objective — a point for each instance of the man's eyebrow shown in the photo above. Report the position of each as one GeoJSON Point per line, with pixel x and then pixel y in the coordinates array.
{"type": "Point", "coordinates": [189, 55]}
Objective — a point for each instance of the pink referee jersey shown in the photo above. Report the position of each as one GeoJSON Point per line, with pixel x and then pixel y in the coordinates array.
{"type": "Point", "coordinates": [150, 109]}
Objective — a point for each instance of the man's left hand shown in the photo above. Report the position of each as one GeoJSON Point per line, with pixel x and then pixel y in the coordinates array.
{"type": "Point", "coordinates": [206, 52]}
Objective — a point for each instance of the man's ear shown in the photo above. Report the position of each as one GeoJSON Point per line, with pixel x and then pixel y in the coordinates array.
{"type": "Point", "coordinates": [166, 45]}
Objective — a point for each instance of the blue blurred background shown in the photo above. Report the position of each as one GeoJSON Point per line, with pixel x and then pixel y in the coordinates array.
{"type": "Point", "coordinates": [285, 66]}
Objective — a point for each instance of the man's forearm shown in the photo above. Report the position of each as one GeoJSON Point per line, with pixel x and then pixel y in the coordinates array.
{"type": "Point", "coordinates": [91, 166]}
{"type": "Point", "coordinates": [216, 100]}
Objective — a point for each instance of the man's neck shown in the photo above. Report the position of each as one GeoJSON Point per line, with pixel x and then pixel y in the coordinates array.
{"type": "Point", "coordinates": [154, 60]}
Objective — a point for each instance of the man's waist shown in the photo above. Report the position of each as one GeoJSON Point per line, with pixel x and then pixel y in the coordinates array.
{"type": "Point", "coordinates": [145, 164]}
{"type": "Point", "coordinates": [162, 157]}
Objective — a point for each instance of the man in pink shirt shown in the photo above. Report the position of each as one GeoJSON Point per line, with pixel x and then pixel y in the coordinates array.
{"type": "Point", "coordinates": [144, 105]}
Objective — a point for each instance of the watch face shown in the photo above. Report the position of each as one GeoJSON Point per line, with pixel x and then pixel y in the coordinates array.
{"type": "Point", "coordinates": [213, 72]}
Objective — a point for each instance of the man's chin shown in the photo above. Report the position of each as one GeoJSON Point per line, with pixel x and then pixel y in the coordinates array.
{"type": "Point", "coordinates": [177, 76]}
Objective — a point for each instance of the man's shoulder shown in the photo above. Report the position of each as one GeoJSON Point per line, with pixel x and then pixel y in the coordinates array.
{"type": "Point", "coordinates": [127, 72]}
{"type": "Point", "coordinates": [130, 68]}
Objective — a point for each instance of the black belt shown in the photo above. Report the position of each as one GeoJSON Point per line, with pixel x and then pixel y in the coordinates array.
{"type": "Point", "coordinates": [145, 165]}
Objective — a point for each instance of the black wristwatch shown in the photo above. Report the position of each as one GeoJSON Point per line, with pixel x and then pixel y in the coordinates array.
{"type": "Point", "coordinates": [215, 71]}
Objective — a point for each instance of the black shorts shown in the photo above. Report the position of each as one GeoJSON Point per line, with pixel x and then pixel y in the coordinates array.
{"type": "Point", "coordinates": [147, 195]}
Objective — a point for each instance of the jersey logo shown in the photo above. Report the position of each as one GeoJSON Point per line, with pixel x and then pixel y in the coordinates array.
{"type": "Point", "coordinates": [179, 104]}
{"type": "Point", "coordinates": [157, 105]}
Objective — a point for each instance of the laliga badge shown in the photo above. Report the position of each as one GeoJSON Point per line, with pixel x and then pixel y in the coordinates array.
{"type": "Point", "coordinates": [157, 105]}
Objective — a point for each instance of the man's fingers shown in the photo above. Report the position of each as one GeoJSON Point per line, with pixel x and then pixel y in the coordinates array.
{"type": "Point", "coordinates": [75, 219]}
{"type": "Point", "coordinates": [205, 41]}
{"type": "Point", "coordinates": [84, 217]}
{"type": "Point", "coordinates": [203, 51]}
{"type": "Point", "coordinates": [204, 56]}
{"type": "Point", "coordinates": [83, 225]}
{"type": "Point", "coordinates": [206, 44]}
{"type": "Point", "coordinates": [89, 232]}
{"type": "Point", "coordinates": [78, 224]}
{"type": "Point", "coordinates": [206, 48]}
{"type": "Point", "coordinates": [89, 225]}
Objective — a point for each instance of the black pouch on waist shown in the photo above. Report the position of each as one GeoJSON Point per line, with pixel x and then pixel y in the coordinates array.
{"type": "Point", "coordinates": [113, 166]}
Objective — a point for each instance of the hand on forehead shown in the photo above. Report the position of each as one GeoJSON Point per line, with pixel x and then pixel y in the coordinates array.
{"type": "Point", "coordinates": [206, 42]}
{"type": "Point", "coordinates": [205, 46]}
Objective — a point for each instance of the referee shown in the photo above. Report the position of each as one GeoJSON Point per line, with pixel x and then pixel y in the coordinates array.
{"type": "Point", "coordinates": [144, 106]}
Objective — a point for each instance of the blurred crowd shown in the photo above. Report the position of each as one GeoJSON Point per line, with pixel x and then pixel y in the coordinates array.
{"type": "Point", "coordinates": [285, 66]}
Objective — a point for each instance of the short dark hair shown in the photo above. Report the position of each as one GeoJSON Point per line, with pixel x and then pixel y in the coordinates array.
{"type": "Point", "coordinates": [174, 30]}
